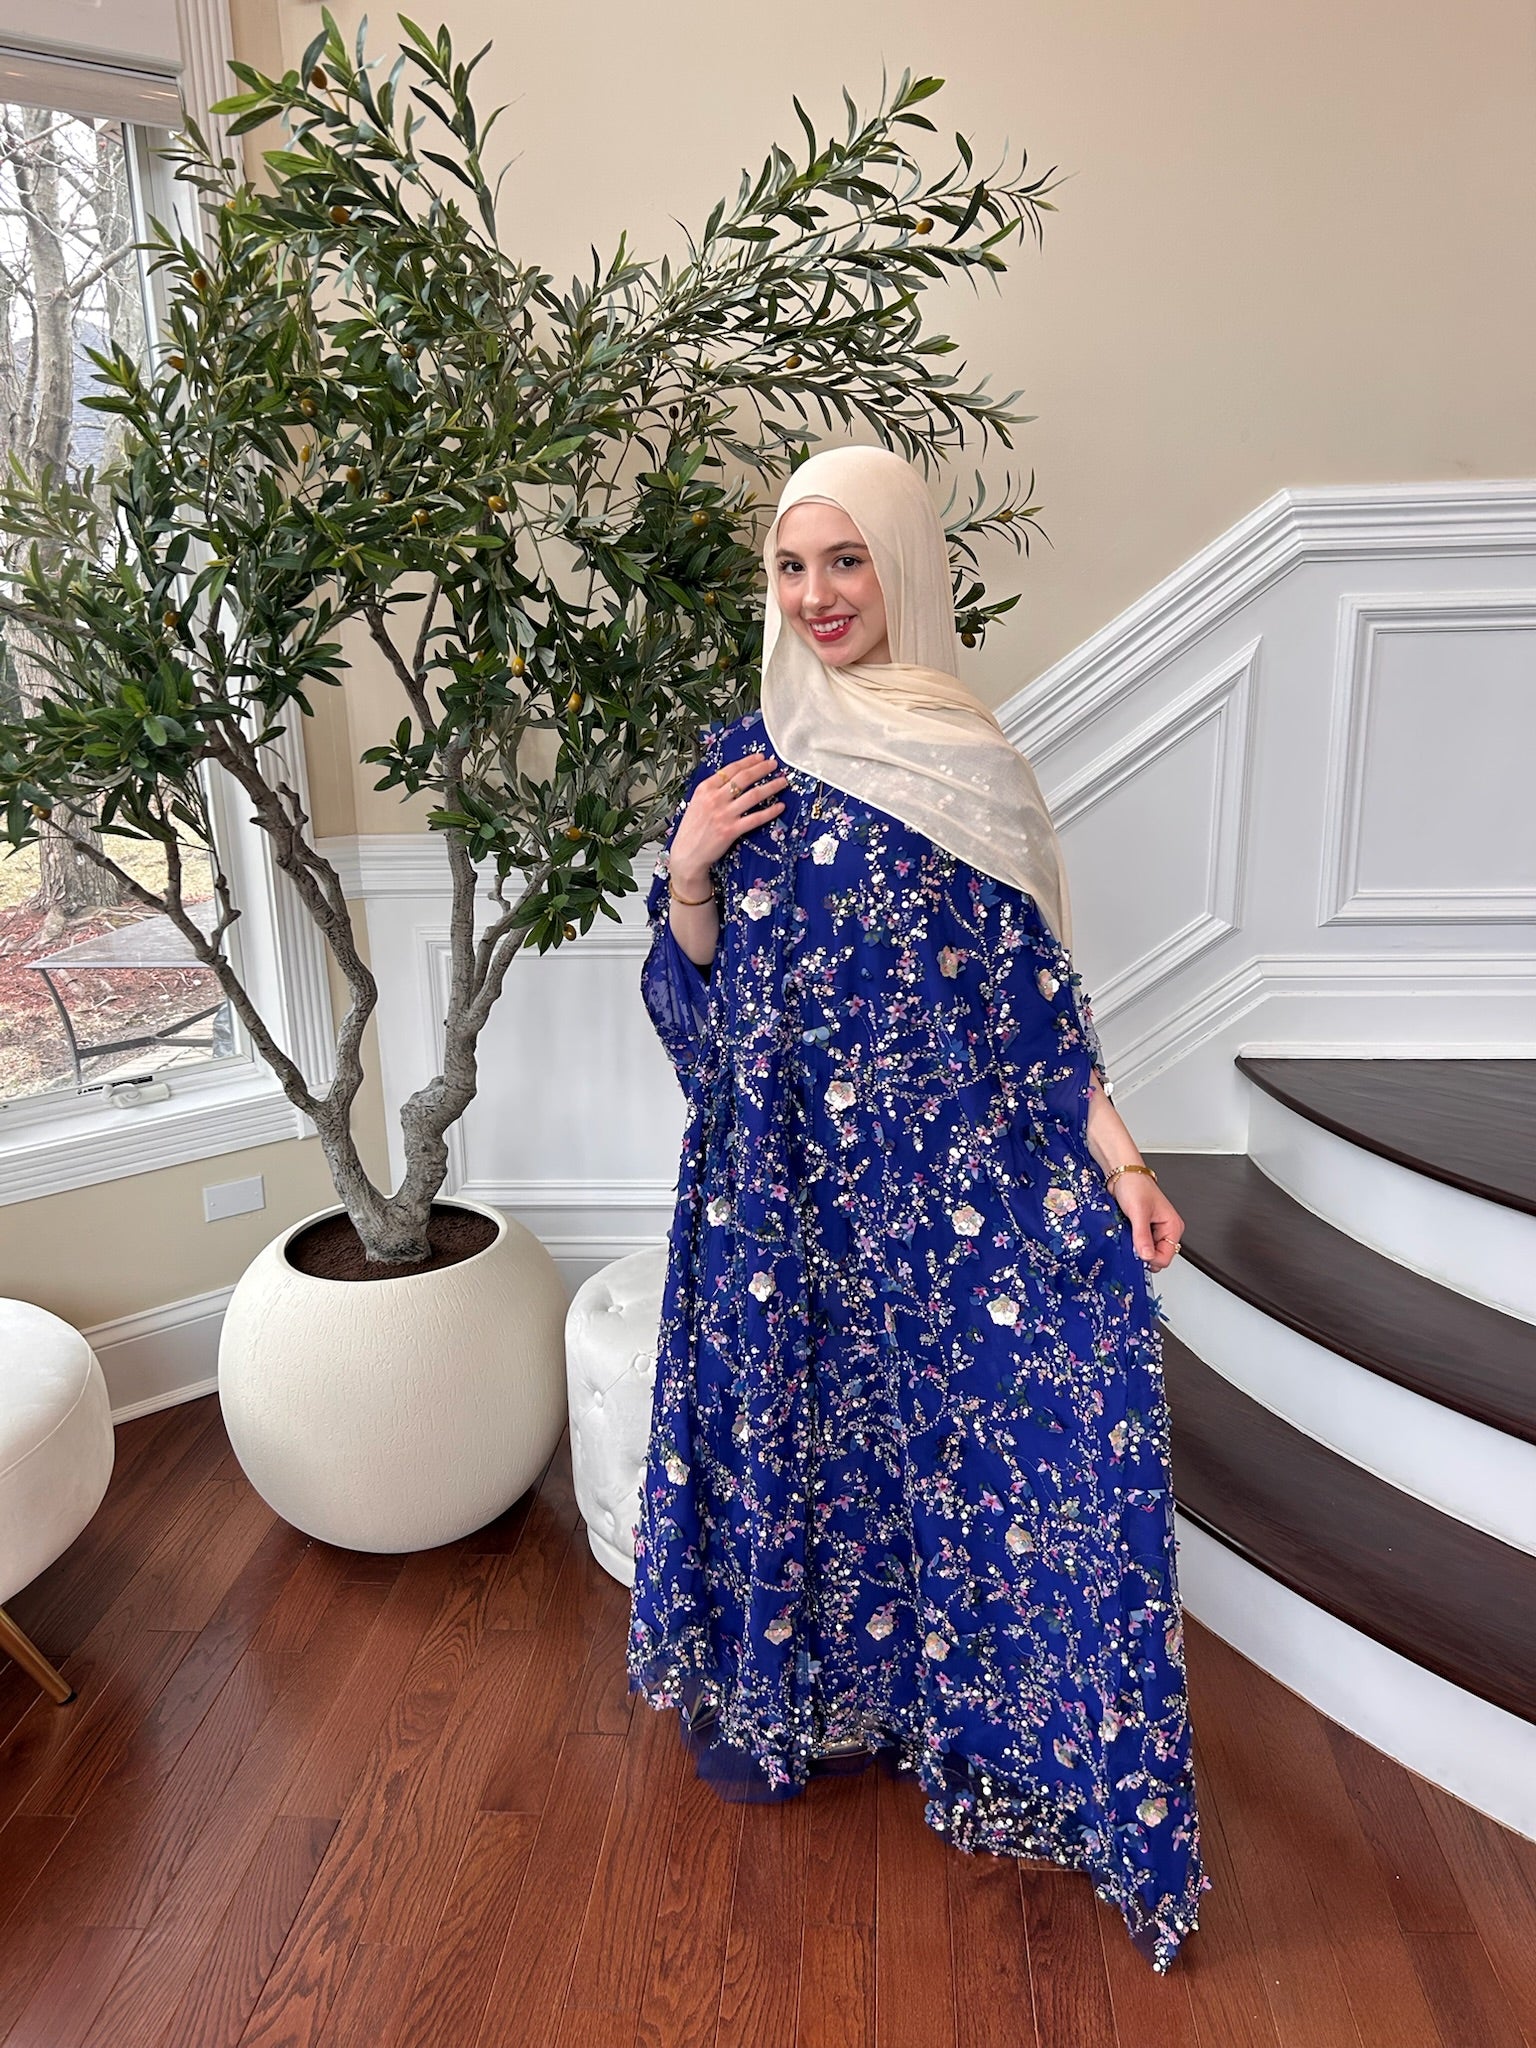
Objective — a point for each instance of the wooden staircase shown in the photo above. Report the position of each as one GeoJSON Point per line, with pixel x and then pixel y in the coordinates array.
{"type": "Point", "coordinates": [1351, 1369]}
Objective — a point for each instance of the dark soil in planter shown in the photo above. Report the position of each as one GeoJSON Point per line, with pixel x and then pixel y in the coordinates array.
{"type": "Point", "coordinates": [331, 1249]}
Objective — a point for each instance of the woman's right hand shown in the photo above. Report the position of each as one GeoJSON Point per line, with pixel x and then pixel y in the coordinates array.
{"type": "Point", "coordinates": [716, 817]}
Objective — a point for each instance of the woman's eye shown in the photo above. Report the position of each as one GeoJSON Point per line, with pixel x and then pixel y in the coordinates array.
{"type": "Point", "coordinates": [848, 561]}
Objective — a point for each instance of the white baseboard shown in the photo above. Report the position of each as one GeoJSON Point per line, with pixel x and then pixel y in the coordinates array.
{"type": "Point", "coordinates": [160, 1356]}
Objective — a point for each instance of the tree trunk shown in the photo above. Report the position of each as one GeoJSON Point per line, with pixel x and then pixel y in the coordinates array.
{"type": "Point", "coordinates": [53, 333]}
{"type": "Point", "coordinates": [70, 884]}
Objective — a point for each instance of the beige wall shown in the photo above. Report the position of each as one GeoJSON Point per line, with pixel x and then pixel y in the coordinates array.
{"type": "Point", "coordinates": [1294, 248]}
{"type": "Point", "coordinates": [137, 1243]}
{"type": "Point", "coordinates": [1295, 245]}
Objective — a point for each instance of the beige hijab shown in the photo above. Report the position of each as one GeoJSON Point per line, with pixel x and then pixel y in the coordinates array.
{"type": "Point", "coordinates": [906, 736]}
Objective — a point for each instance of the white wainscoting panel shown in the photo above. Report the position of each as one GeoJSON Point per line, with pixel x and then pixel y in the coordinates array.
{"type": "Point", "coordinates": [1188, 762]}
{"type": "Point", "coordinates": [1432, 738]}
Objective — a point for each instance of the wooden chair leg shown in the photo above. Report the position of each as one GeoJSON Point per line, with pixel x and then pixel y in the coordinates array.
{"type": "Point", "coordinates": [14, 1643]}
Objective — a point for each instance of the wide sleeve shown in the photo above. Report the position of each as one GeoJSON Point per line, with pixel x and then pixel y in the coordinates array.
{"type": "Point", "coordinates": [674, 988]}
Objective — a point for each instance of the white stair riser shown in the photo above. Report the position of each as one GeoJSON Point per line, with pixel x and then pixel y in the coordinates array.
{"type": "Point", "coordinates": [1475, 1750]}
{"type": "Point", "coordinates": [1478, 1248]}
{"type": "Point", "coordinates": [1464, 1468]}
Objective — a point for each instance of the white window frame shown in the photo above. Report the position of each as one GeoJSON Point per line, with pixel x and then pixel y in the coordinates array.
{"type": "Point", "coordinates": [161, 61]}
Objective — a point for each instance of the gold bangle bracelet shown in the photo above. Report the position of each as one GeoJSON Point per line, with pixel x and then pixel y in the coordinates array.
{"type": "Point", "coordinates": [1115, 1172]}
{"type": "Point", "coordinates": [694, 901]}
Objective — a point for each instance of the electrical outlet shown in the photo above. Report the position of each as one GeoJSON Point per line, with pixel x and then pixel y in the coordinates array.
{"type": "Point", "coordinates": [233, 1198]}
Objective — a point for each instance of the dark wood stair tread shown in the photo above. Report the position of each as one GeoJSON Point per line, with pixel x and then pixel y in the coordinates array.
{"type": "Point", "coordinates": [1250, 1237]}
{"type": "Point", "coordinates": [1442, 1594]}
{"type": "Point", "coordinates": [1469, 1123]}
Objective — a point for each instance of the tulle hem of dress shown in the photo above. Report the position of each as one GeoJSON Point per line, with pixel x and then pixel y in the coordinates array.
{"type": "Point", "coordinates": [966, 1802]}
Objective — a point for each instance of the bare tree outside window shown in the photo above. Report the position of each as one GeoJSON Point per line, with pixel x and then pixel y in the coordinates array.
{"type": "Point", "coordinates": [70, 281]}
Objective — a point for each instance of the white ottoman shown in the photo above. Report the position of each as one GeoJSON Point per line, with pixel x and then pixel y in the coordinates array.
{"type": "Point", "coordinates": [610, 1362]}
{"type": "Point", "coordinates": [55, 1458]}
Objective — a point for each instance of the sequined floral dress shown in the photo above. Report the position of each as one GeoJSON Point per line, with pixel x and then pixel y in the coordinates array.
{"type": "Point", "coordinates": [907, 1477]}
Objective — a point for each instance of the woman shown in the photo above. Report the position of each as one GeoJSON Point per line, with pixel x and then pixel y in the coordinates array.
{"type": "Point", "coordinates": [907, 1482]}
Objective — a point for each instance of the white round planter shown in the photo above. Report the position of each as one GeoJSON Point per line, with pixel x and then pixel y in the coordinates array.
{"type": "Point", "coordinates": [396, 1414]}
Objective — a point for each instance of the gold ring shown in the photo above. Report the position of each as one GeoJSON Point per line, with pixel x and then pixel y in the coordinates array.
{"type": "Point", "coordinates": [731, 785]}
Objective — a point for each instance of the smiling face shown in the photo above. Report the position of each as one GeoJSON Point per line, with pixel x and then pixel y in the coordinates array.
{"type": "Point", "coordinates": [827, 587]}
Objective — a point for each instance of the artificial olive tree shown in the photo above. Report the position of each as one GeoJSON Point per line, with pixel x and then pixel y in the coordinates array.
{"type": "Point", "coordinates": [539, 502]}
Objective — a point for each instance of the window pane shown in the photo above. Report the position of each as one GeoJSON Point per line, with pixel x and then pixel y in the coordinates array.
{"type": "Point", "coordinates": [91, 983]}
{"type": "Point", "coordinates": [114, 992]}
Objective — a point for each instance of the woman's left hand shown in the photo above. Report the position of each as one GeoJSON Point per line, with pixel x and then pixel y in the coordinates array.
{"type": "Point", "coordinates": [1156, 1226]}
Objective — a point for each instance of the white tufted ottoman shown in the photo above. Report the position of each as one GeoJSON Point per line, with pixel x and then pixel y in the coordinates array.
{"type": "Point", "coordinates": [55, 1458]}
{"type": "Point", "coordinates": [610, 1362]}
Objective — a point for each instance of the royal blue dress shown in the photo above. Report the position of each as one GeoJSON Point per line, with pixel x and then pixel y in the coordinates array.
{"type": "Point", "coordinates": [907, 1476]}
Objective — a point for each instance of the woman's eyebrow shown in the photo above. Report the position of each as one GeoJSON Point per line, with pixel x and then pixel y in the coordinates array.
{"type": "Point", "coordinates": [842, 547]}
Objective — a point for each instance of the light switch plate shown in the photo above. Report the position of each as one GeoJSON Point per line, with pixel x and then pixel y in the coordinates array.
{"type": "Point", "coordinates": [233, 1198]}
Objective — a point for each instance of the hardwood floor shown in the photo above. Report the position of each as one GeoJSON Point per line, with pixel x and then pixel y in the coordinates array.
{"type": "Point", "coordinates": [309, 1799]}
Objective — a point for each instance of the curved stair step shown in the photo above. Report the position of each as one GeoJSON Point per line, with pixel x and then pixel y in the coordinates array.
{"type": "Point", "coordinates": [1247, 1234]}
{"type": "Point", "coordinates": [1443, 1595]}
{"type": "Point", "coordinates": [1468, 1123]}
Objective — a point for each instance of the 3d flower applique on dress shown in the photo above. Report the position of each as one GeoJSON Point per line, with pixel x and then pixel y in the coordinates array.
{"type": "Point", "coordinates": [824, 849]}
{"type": "Point", "coordinates": [1002, 1308]}
{"type": "Point", "coordinates": [780, 1629]}
{"type": "Point", "coordinates": [949, 960]}
{"type": "Point", "coordinates": [758, 901]}
{"type": "Point", "coordinates": [967, 1220]}
{"type": "Point", "coordinates": [1060, 1201]}
{"type": "Point", "coordinates": [677, 1468]}
{"type": "Point", "coordinates": [935, 1646]}
{"type": "Point", "coordinates": [1018, 1539]}
{"type": "Point", "coordinates": [881, 1623]}
{"type": "Point", "coordinates": [841, 1095]}
{"type": "Point", "coordinates": [1047, 983]}
{"type": "Point", "coordinates": [718, 1209]}
{"type": "Point", "coordinates": [761, 1285]}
